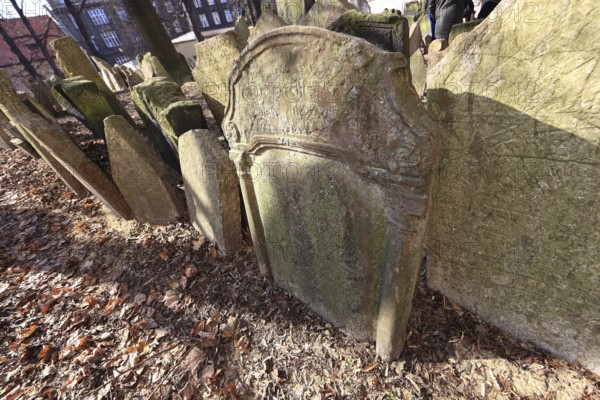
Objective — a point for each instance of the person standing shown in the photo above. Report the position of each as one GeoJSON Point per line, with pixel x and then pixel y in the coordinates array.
{"type": "Point", "coordinates": [446, 13]}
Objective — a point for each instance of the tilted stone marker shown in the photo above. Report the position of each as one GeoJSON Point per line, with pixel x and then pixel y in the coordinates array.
{"type": "Point", "coordinates": [131, 77]}
{"type": "Point", "coordinates": [335, 187]}
{"type": "Point", "coordinates": [388, 31]}
{"type": "Point", "coordinates": [75, 62]}
{"type": "Point", "coordinates": [11, 108]}
{"type": "Point", "coordinates": [147, 183]}
{"type": "Point", "coordinates": [214, 61]}
{"type": "Point", "coordinates": [415, 39]}
{"type": "Point", "coordinates": [323, 13]}
{"type": "Point", "coordinates": [151, 67]}
{"type": "Point", "coordinates": [165, 109]}
{"type": "Point", "coordinates": [91, 103]}
{"type": "Point", "coordinates": [110, 75]}
{"type": "Point", "coordinates": [418, 72]}
{"type": "Point", "coordinates": [514, 232]}
{"type": "Point", "coordinates": [267, 22]}
{"type": "Point", "coordinates": [291, 11]}
{"type": "Point", "coordinates": [212, 189]}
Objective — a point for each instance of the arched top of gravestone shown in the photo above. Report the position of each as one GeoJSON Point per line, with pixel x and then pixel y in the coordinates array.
{"type": "Point", "coordinates": [310, 90]}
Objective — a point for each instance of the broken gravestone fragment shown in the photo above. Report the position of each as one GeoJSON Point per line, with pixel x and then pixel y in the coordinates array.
{"type": "Point", "coordinates": [323, 13]}
{"type": "Point", "coordinates": [151, 67]}
{"type": "Point", "coordinates": [215, 58]}
{"type": "Point", "coordinates": [147, 183]}
{"type": "Point", "coordinates": [110, 75]}
{"type": "Point", "coordinates": [515, 207]}
{"type": "Point", "coordinates": [212, 189]}
{"type": "Point", "coordinates": [290, 11]}
{"type": "Point", "coordinates": [167, 113]}
{"type": "Point", "coordinates": [336, 188]}
{"type": "Point", "coordinates": [388, 30]}
{"type": "Point", "coordinates": [91, 103]}
{"type": "Point", "coordinates": [131, 77]}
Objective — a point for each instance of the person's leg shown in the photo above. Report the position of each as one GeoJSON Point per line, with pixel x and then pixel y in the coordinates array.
{"type": "Point", "coordinates": [432, 23]}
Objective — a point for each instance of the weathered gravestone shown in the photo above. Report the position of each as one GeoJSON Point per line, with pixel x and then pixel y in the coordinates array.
{"type": "Point", "coordinates": [291, 11]}
{"type": "Point", "coordinates": [323, 13]}
{"type": "Point", "coordinates": [75, 62]}
{"type": "Point", "coordinates": [514, 230]}
{"type": "Point", "coordinates": [92, 104]}
{"type": "Point", "coordinates": [151, 67]}
{"type": "Point", "coordinates": [132, 77]}
{"type": "Point", "coordinates": [147, 183]}
{"type": "Point", "coordinates": [167, 113]}
{"type": "Point", "coordinates": [212, 189]}
{"type": "Point", "coordinates": [388, 30]}
{"type": "Point", "coordinates": [214, 61]}
{"type": "Point", "coordinates": [110, 75]}
{"type": "Point", "coordinates": [5, 140]}
{"type": "Point", "coordinates": [463, 28]}
{"type": "Point", "coordinates": [415, 39]}
{"type": "Point", "coordinates": [418, 72]}
{"type": "Point", "coordinates": [267, 22]}
{"type": "Point", "coordinates": [11, 108]}
{"type": "Point", "coordinates": [333, 150]}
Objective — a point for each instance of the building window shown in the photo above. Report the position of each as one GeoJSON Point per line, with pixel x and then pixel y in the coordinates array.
{"type": "Point", "coordinates": [169, 6]}
{"type": "Point", "coordinates": [211, 2]}
{"type": "Point", "coordinates": [177, 26]}
{"type": "Point", "coordinates": [198, 3]}
{"type": "Point", "coordinates": [223, 1]}
{"type": "Point", "coordinates": [111, 39]}
{"type": "Point", "coordinates": [93, 39]}
{"type": "Point", "coordinates": [203, 20]}
{"type": "Point", "coordinates": [228, 16]}
{"type": "Point", "coordinates": [216, 18]}
{"type": "Point", "coordinates": [121, 59]}
{"type": "Point", "coordinates": [98, 17]}
{"type": "Point", "coordinates": [122, 13]}
{"type": "Point", "coordinates": [136, 37]}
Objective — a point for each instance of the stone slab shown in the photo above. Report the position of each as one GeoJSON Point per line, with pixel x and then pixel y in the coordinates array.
{"type": "Point", "coordinates": [514, 227]}
{"type": "Point", "coordinates": [212, 189]}
{"type": "Point", "coordinates": [335, 187]}
{"type": "Point", "coordinates": [463, 28]}
{"type": "Point", "coordinates": [323, 13]}
{"type": "Point", "coordinates": [147, 183]}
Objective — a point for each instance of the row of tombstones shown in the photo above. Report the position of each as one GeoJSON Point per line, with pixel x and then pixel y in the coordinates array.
{"type": "Point", "coordinates": [339, 166]}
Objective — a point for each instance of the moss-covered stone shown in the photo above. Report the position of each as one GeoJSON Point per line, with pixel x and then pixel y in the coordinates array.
{"type": "Point", "coordinates": [93, 104]}
{"type": "Point", "coordinates": [291, 11]}
{"type": "Point", "coordinates": [516, 208]}
{"type": "Point", "coordinates": [334, 155]}
{"type": "Point", "coordinates": [388, 31]}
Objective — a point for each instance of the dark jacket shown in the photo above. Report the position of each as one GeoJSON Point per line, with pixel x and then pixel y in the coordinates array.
{"type": "Point", "coordinates": [447, 13]}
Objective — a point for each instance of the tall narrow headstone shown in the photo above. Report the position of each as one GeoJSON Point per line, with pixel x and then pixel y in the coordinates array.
{"type": "Point", "coordinates": [147, 183]}
{"type": "Point", "coordinates": [334, 154]}
{"type": "Point", "coordinates": [514, 230]}
{"type": "Point", "coordinates": [212, 189]}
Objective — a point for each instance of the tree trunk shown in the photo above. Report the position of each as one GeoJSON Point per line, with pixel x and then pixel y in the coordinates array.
{"type": "Point", "coordinates": [76, 13]}
{"type": "Point", "coordinates": [15, 49]}
{"type": "Point", "coordinates": [188, 7]}
{"type": "Point", "coordinates": [37, 40]}
{"type": "Point", "coordinates": [253, 10]}
{"type": "Point", "coordinates": [157, 38]}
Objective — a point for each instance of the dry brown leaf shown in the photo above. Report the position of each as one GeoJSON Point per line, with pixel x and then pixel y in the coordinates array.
{"type": "Point", "coordinates": [193, 359]}
{"type": "Point", "coordinates": [112, 304]}
{"type": "Point", "coordinates": [46, 352]}
{"type": "Point", "coordinates": [25, 333]}
{"type": "Point", "coordinates": [164, 255]}
{"type": "Point", "coordinates": [190, 270]}
{"type": "Point", "coordinates": [80, 227]}
{"type": "Point", "coordinates": [242, 344]}
{"type": "Point", "coordinates": [197, 244]}
{"type": "Point", "coordinates": [370, 367]}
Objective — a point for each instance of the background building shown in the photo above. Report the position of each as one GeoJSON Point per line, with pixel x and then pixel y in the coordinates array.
{"type": "Point", "coordinates": [117, 38]}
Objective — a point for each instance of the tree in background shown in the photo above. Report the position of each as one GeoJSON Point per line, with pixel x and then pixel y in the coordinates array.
{"type": "Point", "coordinates": [38, 41]}
{"type": "Point", "coordinates": [76, 13]}
{"type": "Point", "coordinates": [27, 65]}
{"type": "Point", "coordinates": [151, 27]}
{"type": "Point", "coordinates": [188, 6]}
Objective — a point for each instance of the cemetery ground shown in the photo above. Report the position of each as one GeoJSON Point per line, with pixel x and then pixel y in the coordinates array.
{"type": "Point", "coordinates": [94, 307]}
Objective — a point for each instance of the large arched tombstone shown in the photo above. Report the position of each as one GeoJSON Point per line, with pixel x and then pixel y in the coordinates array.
{"type": "Point", "coordinates": [334, 152]}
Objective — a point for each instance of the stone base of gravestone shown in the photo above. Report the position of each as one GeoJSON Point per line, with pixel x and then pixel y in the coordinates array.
{"type": "Point", "coordinates": [388, 31]}
{"type": "Point", "coordinates": [212, 189]}
{"type": "Point", "coordinates": [147, 183]}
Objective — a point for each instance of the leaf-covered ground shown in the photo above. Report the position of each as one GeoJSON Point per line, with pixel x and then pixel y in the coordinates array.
{"type": "Point", "coordinates": [93, 307]}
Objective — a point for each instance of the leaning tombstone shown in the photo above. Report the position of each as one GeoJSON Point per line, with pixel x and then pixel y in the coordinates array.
{"type": "Point", "coordinates": [12, 108]}
{"type": "Point", "coordinates": [267, 22]}
{"type": "Point", "coordinates": [75, 62]}
{"type": "Point", "coordinates": [335, 187]}
{"type": "Point", "coordinates": [145, 180]}
{"type": "Point", "coordinates": [214, 61]}
{"type": "Point", "coordinates": [415, 39]}
{"type": "Point", "coordinates": [151, 67]}
{"type": "Point", "coordinates": [110, 75]}
{"type": "Point", "coordinates": [418, 72]}
{"type": "Point", "coordinates": [291, 11]}
{"type": "Point", "coordinates": [92, 104]}
{"type": "Point", "coordinates": [168, 114]}
{"type": "Point", "coordinates": [212, 189]}
{"type": "Point", "coordinates": [323, 13]}
{"type": "Point", "coordinates": [513, 233]}
{"type": "Point", "coordinates": [388, 30]}
{"type": "Point", "coordinates": [436, 51]}
{"type": "Point", "coordinates": [42, 93]}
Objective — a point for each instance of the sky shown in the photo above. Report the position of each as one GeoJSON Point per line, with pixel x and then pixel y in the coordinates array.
{"type": "Point", "coordinates": [31, 8]}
